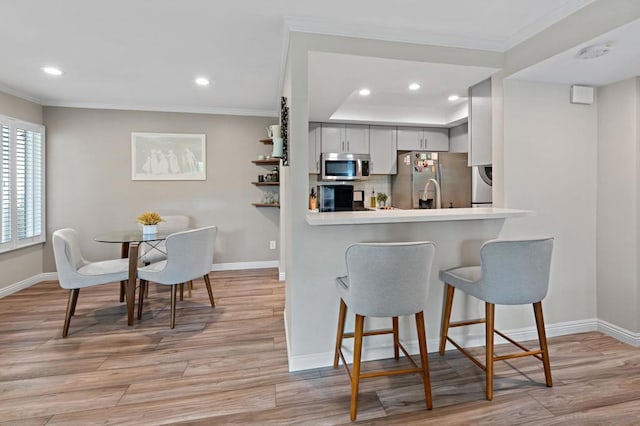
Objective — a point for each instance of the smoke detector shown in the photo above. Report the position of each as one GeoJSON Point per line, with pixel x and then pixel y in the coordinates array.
{"type": "Point", "coordinates": [594, 51]}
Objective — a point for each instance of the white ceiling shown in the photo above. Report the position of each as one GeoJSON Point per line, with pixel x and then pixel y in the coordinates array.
{"type": "Point", "coordinates": [143, 54]}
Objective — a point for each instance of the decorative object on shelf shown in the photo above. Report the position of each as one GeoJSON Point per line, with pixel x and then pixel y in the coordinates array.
{"type": "Point", "coordinates": [168, 156]}
{"type": "Point", "coordinates": [382, 199]}
{"type": "Point", "coordinates": [149, 221]}
{"type": "Point", "coordinates": [284, 124]}
{"type": "Point", "coordinates": [270, 197]}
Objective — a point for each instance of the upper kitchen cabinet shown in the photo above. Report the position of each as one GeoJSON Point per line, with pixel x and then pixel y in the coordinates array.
{"type": "Point", "coordinates": [480, 123]}
{"type": "Point", "coordinates": [382, 146]}
{"type": "Point", "coordinates": [351, 138]}
{"type": "Point", "coordinates": [459, 138]}
{"type": "Point", "coordinates": [314, 148]}
{"type": "Point", "coordinates": [422, 139]}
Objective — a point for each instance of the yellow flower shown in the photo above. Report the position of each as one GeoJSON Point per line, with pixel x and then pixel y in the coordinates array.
{"type": "Point", "coordinates": [150, 218]}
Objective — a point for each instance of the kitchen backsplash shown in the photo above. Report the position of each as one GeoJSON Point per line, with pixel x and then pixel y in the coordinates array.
{"type": "Point", "coordinates": [379, 183]}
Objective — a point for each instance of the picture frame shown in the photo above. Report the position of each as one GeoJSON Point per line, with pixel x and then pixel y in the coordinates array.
{"type": "Point", "coordinates": [168, 156]}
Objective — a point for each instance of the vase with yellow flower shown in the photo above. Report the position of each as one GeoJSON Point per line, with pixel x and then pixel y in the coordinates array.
{"type": "Point", "coordinates": [149, 221]}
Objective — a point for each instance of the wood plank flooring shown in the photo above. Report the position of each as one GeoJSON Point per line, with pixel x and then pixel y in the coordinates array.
{"type": "Point", "coordinates": [228, 365]}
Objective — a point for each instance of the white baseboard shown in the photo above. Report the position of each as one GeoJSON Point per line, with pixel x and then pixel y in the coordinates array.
{"type": "Point", "coordinates": [325, 359]}
{"type": "Point", "coordinates": [21, 285]}
{"type": "Point", "coordinates": [619, 333]}
{"type": "Point", "coordinates": [234, 266]}
{"type": "Point", "coordinates": [50, 276]}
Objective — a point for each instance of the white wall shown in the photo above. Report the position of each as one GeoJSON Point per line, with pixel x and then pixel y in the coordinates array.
{"type": "Point", "coordinates": [24, 263]}
{"type": "Point", "coordinates": [617, 206]}
{"type": "Point", "coordinates": [550, 168]}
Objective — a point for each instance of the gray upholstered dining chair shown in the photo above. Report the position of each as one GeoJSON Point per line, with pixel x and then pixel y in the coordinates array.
{"type": "Point", "coordinates": [512, 272]}
{"type": "Point", "coordinates": [384, 280]}
{"type": "Point", "coordinates": [189, 256]}
{"type": "Point", "coordinates": [156, 252]}
{"type": "Point", "coordinates": [74, 272]}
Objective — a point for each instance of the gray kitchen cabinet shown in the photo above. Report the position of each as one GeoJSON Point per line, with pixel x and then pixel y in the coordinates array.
{"type": "Point", "coordinates": [382, 148]}
{"type": "Point", "coordinates": [352, 138]}
{"type": "Point", "coordinates": [314, 148]}
{"type": "Point", "coordinates": [480, 123]}
{"type": "Point", "coordinates": [422, 139]}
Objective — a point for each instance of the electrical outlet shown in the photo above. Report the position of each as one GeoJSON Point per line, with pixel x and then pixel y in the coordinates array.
{"type": "Point", "coordinates": [272, 245]}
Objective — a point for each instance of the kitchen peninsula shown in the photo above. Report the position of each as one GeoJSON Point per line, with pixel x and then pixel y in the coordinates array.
{"type": "Point", "coordinates": [458, 234]}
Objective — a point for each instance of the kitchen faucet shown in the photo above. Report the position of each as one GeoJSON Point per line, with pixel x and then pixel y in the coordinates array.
{"type": "Point", "coordinates": [437, 196]}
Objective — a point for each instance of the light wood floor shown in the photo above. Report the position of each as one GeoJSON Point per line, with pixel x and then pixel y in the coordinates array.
{"type": "Point", "coordinates": [228, 365]}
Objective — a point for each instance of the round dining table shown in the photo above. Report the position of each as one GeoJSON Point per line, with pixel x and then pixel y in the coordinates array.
{"type": "Point", "coordinates": [130, 241]}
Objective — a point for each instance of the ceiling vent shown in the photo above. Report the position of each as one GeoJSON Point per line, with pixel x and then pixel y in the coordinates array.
{"type": "Point", "coordinates": [594, 51]}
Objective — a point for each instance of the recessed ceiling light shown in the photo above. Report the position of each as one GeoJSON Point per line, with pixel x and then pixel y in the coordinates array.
{"type": "Point", "coordinates": [52, 70]}
{"type": "Point", "coordinates": [202, 81]}
{"type": "Point", "coordinates": [365, 92]}
{"type": "Point", "coordinates": [453, 98]}
{"type": "Point", "coordinates": [594, 51]}
{"type": "Point", "coordinates": [414, 86]}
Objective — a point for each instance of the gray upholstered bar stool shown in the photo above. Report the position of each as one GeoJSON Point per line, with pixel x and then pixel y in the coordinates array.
{"type": "Point", "coordinates": [384, 280]}
{"type": "Point", "coordinates": [512, 272]}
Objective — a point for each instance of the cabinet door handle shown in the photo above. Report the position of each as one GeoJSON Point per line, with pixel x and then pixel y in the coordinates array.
{"type": "Point", "coordinates": [425, 143]}
{"type": "Point", "coordinates": [342, 146]}
{"type": "Point", "coordinates": [317, 166]}
{"type": "Point", "coordinates": [348, 146]}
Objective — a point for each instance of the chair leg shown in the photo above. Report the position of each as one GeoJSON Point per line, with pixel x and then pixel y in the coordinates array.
{"type": "Point", "coordinates": [424, 358]}
{"type": "Point", "coordinates": [542, 338]}
{"type": "Point", "coordinates": [341, 319]}
{"type": "Point", "coordinates": [207, 283]}
{"type": "Point", "coordinates": [122, 291]}
{"type": "Point", "coordinates": [71, 308]}
{"type": "Point", "coordinates": [396, 339]}
{"type": "Point", "coordinates": [174, 291]}
{"type": "Point", "coordinates": [490, 310]}
{"type": "Point", "coordinates": [355, 375]}
{"type": "Point", "coordinates": [189, 288]}
{"type": "Point", "coordinates": [143, 287]}
{"type": "Point", "coordinates": [446, 316]}
{"type": "Point", "coordinates": [181, 292]}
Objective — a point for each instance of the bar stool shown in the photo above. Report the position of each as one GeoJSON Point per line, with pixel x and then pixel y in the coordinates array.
{"type": "Point", "coordinates": [512, 272]}
{"type": "Point", "coordinates": [384, 280]}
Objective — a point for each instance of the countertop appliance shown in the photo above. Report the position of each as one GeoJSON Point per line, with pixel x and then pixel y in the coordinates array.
{"type": "Point", "coordinates": [413, 187]}
{"type": "Point", "coordinates": [481, 186]}
{"type": "Point", "coordinates": [335, 198]}
{"type": "Point", "coordinates": [341, 166]}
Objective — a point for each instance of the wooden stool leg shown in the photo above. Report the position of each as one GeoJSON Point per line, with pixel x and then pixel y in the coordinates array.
{"type": "Point", "coordinates": [542, 338]}
{"type": "Point", "coordinates": [207, 283]}
{"type": "Point", "coordinates": [490, 310]}
{"type": "Point", "coordinates": [143, 285]}
{"type": "Point", "coordinates": [71, 308]}
{"type": "Point", "coordinates": [424, 359]}
{"type": "Point", "coordinates": [174, 295]}
{"type": "Point", "coordinates": [122, 291]}
{"type": "Point", "coordinates": [396, 339]}
{"type": "Point", "coordinates": [355, 375]}
{"type": "Point", "coordinates": [181, 292]}
{"type": "Point", "coordinates": [189, 288]}
{"type": "Point", "coordinates": [341, 319]}
{"type": "Point", "coordinates": [446, 316]}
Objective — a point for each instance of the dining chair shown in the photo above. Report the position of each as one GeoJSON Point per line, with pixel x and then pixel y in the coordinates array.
{"type": "Point", "coordinates": [384, 280]}
{"type": "Point", "coordinates": [511, 272]}
{"type": "Point", "coordinates": [74, 272]}
{"type": "Point", "coordinates": [189, 256]}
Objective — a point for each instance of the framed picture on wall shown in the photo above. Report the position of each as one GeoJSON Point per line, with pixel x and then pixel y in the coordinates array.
{"type": "Point", "coordinates": [168, 156]}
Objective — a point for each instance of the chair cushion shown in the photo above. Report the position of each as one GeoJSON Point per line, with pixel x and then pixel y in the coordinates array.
{"type": "Point", "coordinates": [115, 266]}
{"type": "Point", "coordinates": [461, 276]}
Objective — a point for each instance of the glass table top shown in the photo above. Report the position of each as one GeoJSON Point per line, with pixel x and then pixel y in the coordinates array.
{"type": "Point", "coordinates": [130, 236]}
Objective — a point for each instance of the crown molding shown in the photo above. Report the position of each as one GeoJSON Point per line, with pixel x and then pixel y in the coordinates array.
{"type": "Point", "coordinates": [19, 94]}
{"type": "Point", "coordinates": [377, 32]}
{"type": "Point", "coordinates": [166, 108]}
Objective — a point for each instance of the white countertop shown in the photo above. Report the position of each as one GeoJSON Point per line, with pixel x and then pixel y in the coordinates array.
{"type": "Point", "coordinates": [419, 215]}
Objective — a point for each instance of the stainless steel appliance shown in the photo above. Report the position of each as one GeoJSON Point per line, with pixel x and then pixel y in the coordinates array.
{"type": "Point", "coordinates": [431, 180]}
{"type": "Point", "coordinates": [335, 198]}
{"type": "Point", "coordinates": [340, 166]}
{"type": "Point", "coordinates": [481, 186]}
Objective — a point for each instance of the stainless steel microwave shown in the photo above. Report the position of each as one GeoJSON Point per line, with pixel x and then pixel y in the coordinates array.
{"type": "Point", "coordinates": [344, 166]}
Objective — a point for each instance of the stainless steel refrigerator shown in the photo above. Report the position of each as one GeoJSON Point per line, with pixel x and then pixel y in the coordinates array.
{"type": "Point", "coordinates": [409, 188]}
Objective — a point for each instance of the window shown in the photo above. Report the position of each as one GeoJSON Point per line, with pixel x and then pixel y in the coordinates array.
{"type": "Point", "coordinates": [21, 184]}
